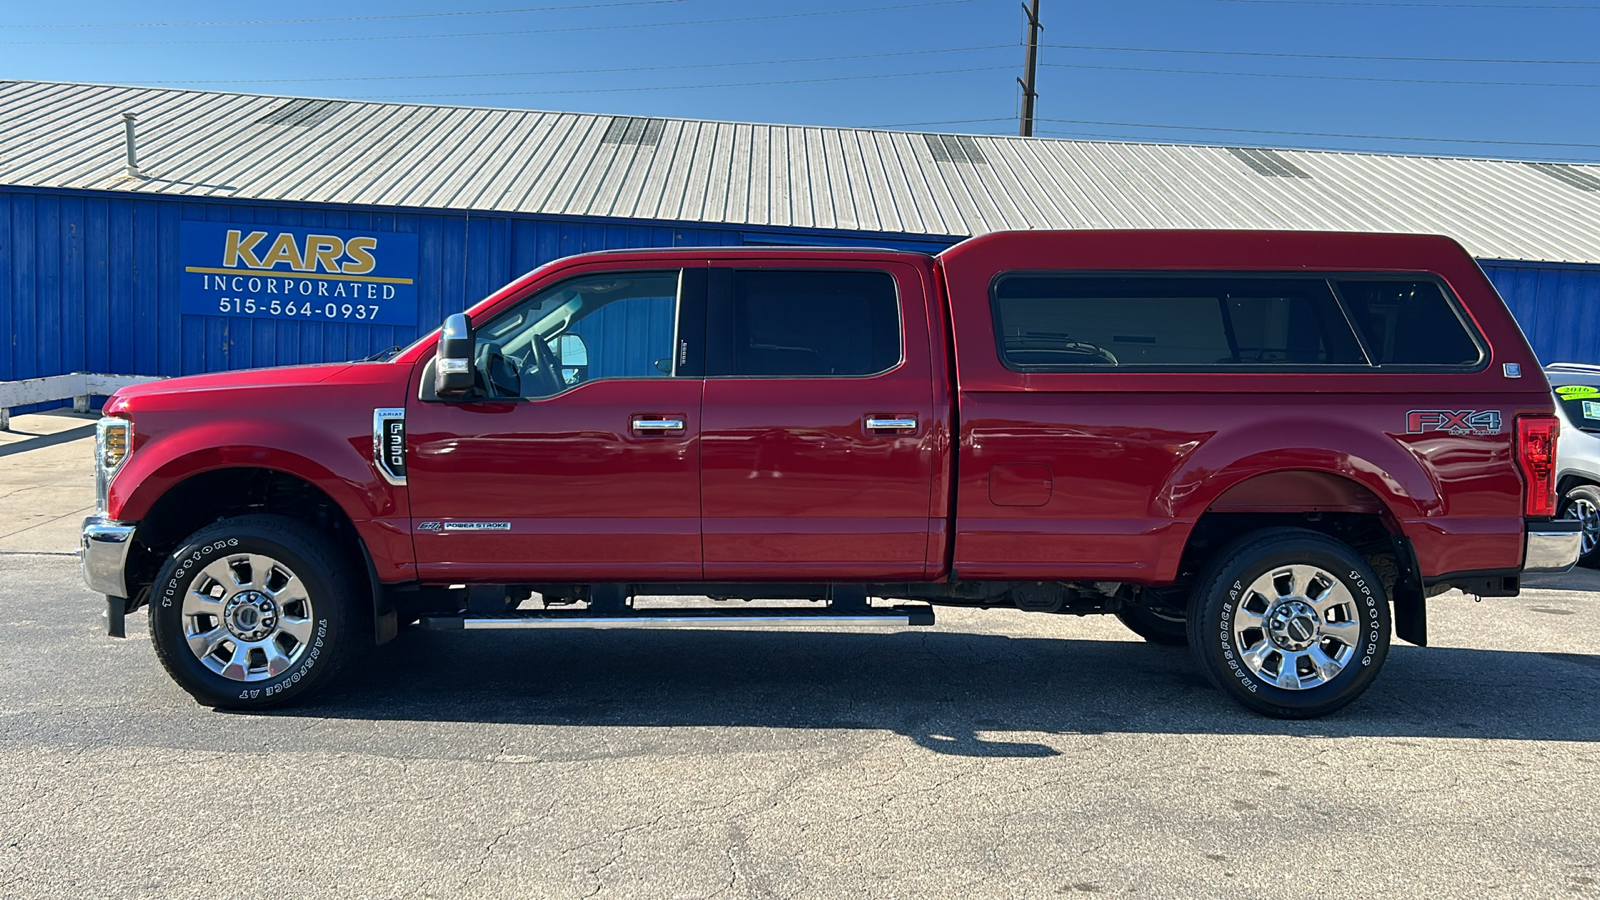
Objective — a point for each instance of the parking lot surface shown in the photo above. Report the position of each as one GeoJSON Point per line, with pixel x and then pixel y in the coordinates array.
{"type": "Point", "coordinates": [998, 754]}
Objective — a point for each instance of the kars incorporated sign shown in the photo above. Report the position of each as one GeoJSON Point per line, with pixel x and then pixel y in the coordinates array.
{"type": "Point", "coordinates": [297, 274]}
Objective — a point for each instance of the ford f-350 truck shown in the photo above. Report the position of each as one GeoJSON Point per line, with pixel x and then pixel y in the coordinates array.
{"type": "Point", "coordinates": [1273, 447]}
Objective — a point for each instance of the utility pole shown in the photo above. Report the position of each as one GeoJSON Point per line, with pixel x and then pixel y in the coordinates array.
{"type": "Point", "coordinates": [1027, 81]}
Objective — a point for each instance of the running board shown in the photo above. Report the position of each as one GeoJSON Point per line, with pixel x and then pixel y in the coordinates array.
{"type": "Point", "coordinates": [880, 617]}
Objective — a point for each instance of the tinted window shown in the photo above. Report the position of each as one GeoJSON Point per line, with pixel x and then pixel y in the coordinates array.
{"type": "Point", "coordinates": [1049, 321]}
{"type": "Point", "coordinates": [809, 323]}
{"type": "Point", "coordinates": [616, 325]}
{"type": "Point", "coordinates": [1409, 323]}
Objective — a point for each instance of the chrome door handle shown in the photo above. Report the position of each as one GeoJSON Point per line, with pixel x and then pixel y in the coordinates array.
{"type": "Point", "coordinates": [898, 424]}
{"type": "Point", "coordinates": [657, 424]}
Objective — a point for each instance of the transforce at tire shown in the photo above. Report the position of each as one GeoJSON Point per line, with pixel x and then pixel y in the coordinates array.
{"type": "Point", "coordinates": [254, 612]}
{"type": "Point", "coordinates": [1289, 622]}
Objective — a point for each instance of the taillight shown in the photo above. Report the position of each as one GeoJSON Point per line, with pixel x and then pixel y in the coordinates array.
{"type": "Point", "coordinates": [1536, 454]}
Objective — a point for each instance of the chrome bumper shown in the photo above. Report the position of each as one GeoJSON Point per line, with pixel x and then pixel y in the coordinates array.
{"type": "Point", "coordinates": [1552, 546]}
{"type": "Point", "coordinates": [104, 553]}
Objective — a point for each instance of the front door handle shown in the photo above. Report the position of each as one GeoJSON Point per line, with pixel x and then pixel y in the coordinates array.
{"type": "Point", "coordinates": [891, 423]}
{"type": "Point", "coordinates": [657, 423]}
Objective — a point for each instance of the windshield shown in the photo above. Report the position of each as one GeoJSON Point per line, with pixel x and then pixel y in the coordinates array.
{"type": "Point", "coordinates": [1581, 402]}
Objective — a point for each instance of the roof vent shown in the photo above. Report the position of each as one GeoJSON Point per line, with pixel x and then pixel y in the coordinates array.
{"type": "Point", "coordinates": [956, 148]}
{"type": "Point", "coordinates": [1267, 162]}
{"type": "Point", "coordinates": [1578, 178]}
{"type": "Point", "coordinates": [301, 113]}
{"type": "Point", "coordinates": [633, 130]}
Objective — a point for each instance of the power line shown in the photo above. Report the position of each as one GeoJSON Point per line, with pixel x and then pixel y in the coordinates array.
{"type": "Point", "coordinates": [940, 122]}
{"type": "Point", "coordinates": [761, 62]}
{"type": "Point", "coordinates": [1444, 59]}
{"type": "Point", "coordinates": [1545, 84]}
{"type": "Point", "coordinates": [428, 15]}
{"type": "Point", "coordinates": [682, 87]}
{"type": "Point", "coordinates": [1332, 134]}
{"type": "Point", "coordinates": [403, 37]}
{"type": "Point", "coordinates": [1516, 6]}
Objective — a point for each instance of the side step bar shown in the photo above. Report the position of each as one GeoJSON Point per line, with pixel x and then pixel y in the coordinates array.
{"type": "Point", "coordinates": [883, 617]}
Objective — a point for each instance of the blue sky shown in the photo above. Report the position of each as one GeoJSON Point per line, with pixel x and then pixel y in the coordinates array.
{"type": "Point", "coordinates": [1096, 77]}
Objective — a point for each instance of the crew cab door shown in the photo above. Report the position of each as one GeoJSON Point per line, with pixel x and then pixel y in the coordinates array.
{"type": "Point", "coordinates": [817, 461]}
{"type": "Point", "coordinates": [576, 458]}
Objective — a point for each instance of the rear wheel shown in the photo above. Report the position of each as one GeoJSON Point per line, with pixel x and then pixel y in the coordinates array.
{"type": "Point", "coordinates": [253, 612]}
{"type": "Point", "coordinates": [1583, 504]}
{"type": "Point", "coordinates": [1290, 623]}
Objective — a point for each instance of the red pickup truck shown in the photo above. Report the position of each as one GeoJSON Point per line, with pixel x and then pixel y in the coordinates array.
{"type": "Point", "coordinates": [1272, 447]}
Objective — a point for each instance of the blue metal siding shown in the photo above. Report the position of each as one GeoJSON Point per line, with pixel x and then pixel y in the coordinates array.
{"type": "Point", "coordinates": [1557, 306]}
{"type": "Point", "coordinates": [89, 281]}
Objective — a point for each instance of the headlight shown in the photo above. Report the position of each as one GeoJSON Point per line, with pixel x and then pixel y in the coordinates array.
{"type": "Point", "coordinates": [113, 441]}
{"type": "Point", "coordinates": [113, 438]}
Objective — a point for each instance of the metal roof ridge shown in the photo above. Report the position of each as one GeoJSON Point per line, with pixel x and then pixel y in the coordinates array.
{"type": "Point", "coordinates": [995, 137]}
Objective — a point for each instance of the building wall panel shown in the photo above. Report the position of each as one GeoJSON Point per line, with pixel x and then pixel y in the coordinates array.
{"type": "Point", "coordinates": [1557, 306]}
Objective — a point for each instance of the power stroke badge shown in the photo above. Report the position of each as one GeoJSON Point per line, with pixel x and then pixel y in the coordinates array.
{"type": "Point", "coordinates": [448, 527]}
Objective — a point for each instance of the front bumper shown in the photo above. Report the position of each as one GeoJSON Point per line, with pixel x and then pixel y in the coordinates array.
{"type": "Point", "coordinates": [1552, 546]}
{"type": "Point", "coordinates": [103, 555]}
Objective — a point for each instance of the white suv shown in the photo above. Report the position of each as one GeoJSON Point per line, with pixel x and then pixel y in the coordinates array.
{"type": "Point", "coordinates": [1577, 390]}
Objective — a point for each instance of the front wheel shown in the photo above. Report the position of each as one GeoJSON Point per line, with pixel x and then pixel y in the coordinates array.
{"type": "Point", "coordinates": [1290, 623]}
{"type": "Point", "coordinates": [253, 612]}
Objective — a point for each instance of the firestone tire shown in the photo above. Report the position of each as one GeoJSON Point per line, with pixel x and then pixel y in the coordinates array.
{"type": "Point", "coordinates": [1290, 623]}
{"type": "Point", "coordinates": [1153, 626]}
{"type": "Point", "coordinates": [254, 612]}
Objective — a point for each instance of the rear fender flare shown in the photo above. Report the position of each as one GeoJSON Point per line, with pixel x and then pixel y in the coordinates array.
{"type": "Point", "coordinates": [1380, 465]}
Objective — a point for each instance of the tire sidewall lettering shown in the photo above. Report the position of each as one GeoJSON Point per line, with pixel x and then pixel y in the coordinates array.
{"type": "Point", "coordinates": [1225, 638]}
{"type": "Point", "coordinates": [182, 577]}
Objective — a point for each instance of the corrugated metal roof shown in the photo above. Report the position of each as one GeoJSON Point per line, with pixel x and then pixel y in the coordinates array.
{"type": "Point", "coordinates": [209, 144]}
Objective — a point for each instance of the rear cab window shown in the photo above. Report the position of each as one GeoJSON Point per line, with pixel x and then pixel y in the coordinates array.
{"type": "Point", "coordinates": [804, 323]}
{"type": "Point", "coordinates": [1066, 321]}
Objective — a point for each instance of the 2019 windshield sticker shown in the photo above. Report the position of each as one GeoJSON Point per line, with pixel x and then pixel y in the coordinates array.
{"type": "Point", "coordinates": [1462, 422]}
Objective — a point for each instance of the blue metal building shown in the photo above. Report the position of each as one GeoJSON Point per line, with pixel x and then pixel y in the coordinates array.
{"type": "Point", "coordinates": [102, 268]}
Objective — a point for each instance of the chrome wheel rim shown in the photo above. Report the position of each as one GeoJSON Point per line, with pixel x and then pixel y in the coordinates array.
{"type": "Point", "coordinates": [1296, 627]}
{"type": "Point", "coordinates": [247, 617]}
{"type": "Point", "coordinates": [1588, 515]}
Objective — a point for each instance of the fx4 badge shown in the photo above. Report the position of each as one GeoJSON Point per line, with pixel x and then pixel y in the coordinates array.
{"type": "Point", "coordinates": [1465, 421]}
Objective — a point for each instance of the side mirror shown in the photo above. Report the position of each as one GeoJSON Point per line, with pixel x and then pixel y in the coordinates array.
{"type": "Point", "coordinates": [573, 355]}
{"type": "Point", "coordinates": [453, 375]}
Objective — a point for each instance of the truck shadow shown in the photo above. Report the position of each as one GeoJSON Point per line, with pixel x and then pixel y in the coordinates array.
{"type": "Point", "coordinates": [952, 693]}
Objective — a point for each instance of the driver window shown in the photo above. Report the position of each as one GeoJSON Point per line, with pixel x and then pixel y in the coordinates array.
{"type": "Point", "coordinates": [614, 325]}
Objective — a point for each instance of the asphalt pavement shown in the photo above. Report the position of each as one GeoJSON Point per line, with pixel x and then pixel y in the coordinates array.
{"type": "Point", "coordinates": [997, 754]}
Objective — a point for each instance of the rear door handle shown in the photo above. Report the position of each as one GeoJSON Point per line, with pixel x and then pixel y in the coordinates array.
{"type": "Point", "coordinates": [891, 423]}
